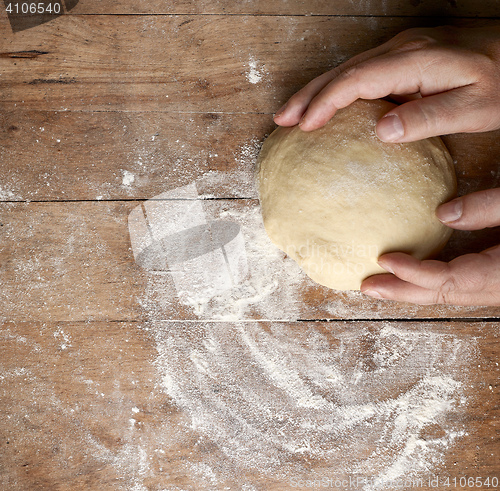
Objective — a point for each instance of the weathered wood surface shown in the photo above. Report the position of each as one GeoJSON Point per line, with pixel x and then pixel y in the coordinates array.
{"type": "Point", "coordinates": [114, 377]}
{"type": "Point", "coordinates": [84, 406]}
{"type": "Point", "coordinates": [371, 8]}
{"type": "Point", "coordinates": [74, 261]}
{"type": "Point", "coordinates": [77, 155]}
{"type": "Point", "coordinates": [179, 63]}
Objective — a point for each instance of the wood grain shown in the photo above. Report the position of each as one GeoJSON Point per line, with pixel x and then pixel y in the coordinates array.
{"type": "Point", "coordinates": [92, 63]}
{"type": "Point", "coordinates": [70, 390]}
{"type": "Point", "coordinates": [138, 74]}
{"type": "Point", "coordinates": [84, 156]}
{"type": "Point", "coordinates": [435, 12]}
{"type": "Point", "coordinates": [76, 155]}
{"type": "Point", "coordinates": [74, 261]}
{"type": "Point", "coordinates": [411, 8]}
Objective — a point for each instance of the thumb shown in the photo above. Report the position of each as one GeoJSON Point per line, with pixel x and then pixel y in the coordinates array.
{"type": "Point", "coordinates": [473, 211]}
{"type": "Point", "coordinates": [433, 115]}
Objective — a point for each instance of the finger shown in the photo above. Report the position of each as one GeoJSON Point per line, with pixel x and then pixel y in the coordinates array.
{"type": "Point", "coordinates": [368, 79]}
{"type": "Point", "coordinates": [433, 115]}
{"type": "Point", "coordinates": [292, 111]}
{"type": "Point", "coordinates": [397, 72]}
{"type": "Point", "coordinates": [473, 211]}
{"type": "Point", "coordinates": [389, 287]}
{"type": "Point", "coordinates": [466, 274]}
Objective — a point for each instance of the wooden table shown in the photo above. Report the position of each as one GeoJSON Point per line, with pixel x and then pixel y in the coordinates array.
{"type": "Point", "coordinates": [124, 123]}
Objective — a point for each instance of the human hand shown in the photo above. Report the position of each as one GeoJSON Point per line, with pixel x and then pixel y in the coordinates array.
{"type": "Point", "coordinates": [451, 74]}
{"type": "Point", "coordinates": [472, 279]}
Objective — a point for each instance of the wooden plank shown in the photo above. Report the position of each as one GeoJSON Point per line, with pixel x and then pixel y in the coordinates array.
{"type": "Point", "coordinates": [123, 155]}
{"type": "Point", "coordinates": [414, 8]}
{"type": "Point", "coordinates": [73, 261]}
{"type": "Point", "coordinates": [112, 405]}
{"type": "Point", "coordinates": [55, 262]}
{"type": "Point", "coordinates": [48, 156]}
{"type": "Point", "coordinates": [212, 63]}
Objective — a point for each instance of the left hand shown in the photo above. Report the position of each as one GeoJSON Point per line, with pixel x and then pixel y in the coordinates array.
{"type": "Point", "coordinates": [450, 75]}
{"type": "Point", "coordinates": [472, 279]}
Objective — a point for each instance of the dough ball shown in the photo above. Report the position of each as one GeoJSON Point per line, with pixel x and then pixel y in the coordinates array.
{"type": "Point", "coordinates": [337, 198]}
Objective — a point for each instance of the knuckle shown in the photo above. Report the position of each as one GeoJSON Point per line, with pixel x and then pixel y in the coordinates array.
{"type": "Point", "coordinates": [448, 285]}
{"type": "Point", "coordinates": [409, 33]}
{"type": "Point", "coordinates": [359, 80]}
{"type": "Point", "coordinates": [464, 279]}
{"type": "Point", "coordinates": [486, 115]}
{"type": "Point", "coordinates": [415, 39]}
{"type": "Point", "coordinates": [352, 73]}
{"type": "Point", "coordinates": [299, 98]}
{"type": "Point", "coordinates": [338, 70]}
{"type": "Point", "coordinates": [441, 298]}
{"type": "Point", "coordinates": [417, 44]}
{"type": "Point", "coordinates": [421, 38]}
{"type": "Point", "coordinates": [426, 118]}
{"type": "Point", "coordinates": [485, 67]}
{"type": "Point", "coordinates": [447, 288]}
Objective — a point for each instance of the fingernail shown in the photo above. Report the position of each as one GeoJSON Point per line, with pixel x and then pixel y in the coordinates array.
{"type": "Point", "coordinates": [386, 267]}
{"type": "Point", "coordinates": [390, 128]}
{"type": "Point", "coordinates": [450, 212]}
{"type": "Point", "coordinates": [373, 293]}
{"type": "Point", "coordinates": [280, 111]}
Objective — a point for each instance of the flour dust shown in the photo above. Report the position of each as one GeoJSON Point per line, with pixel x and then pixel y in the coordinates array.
{"type": "Point", "coordinates": [318, 399]}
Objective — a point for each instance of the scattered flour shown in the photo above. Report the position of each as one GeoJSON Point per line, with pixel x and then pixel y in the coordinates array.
{"type": "Point", "coordinates": [354, 401]}
{"type": "Point", "coordinates": [7, 195]}
{"type": "Point", "coordinates": [260, 294]}
{"type": "Point", "coordinates": [128, 178]}
{"type": "Point", "coordinates": [255, 72]}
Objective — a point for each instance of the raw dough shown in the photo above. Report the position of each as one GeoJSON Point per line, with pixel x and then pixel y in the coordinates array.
{"type": "Point", "coordinates": [337, 198]}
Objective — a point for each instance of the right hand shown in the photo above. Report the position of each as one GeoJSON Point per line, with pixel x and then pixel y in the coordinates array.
{"type": "Point", "coordinates": [471, 279]}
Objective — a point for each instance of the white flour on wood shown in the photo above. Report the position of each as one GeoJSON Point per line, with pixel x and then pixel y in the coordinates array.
{"type": "Point", "coordinates": [318, 399]}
